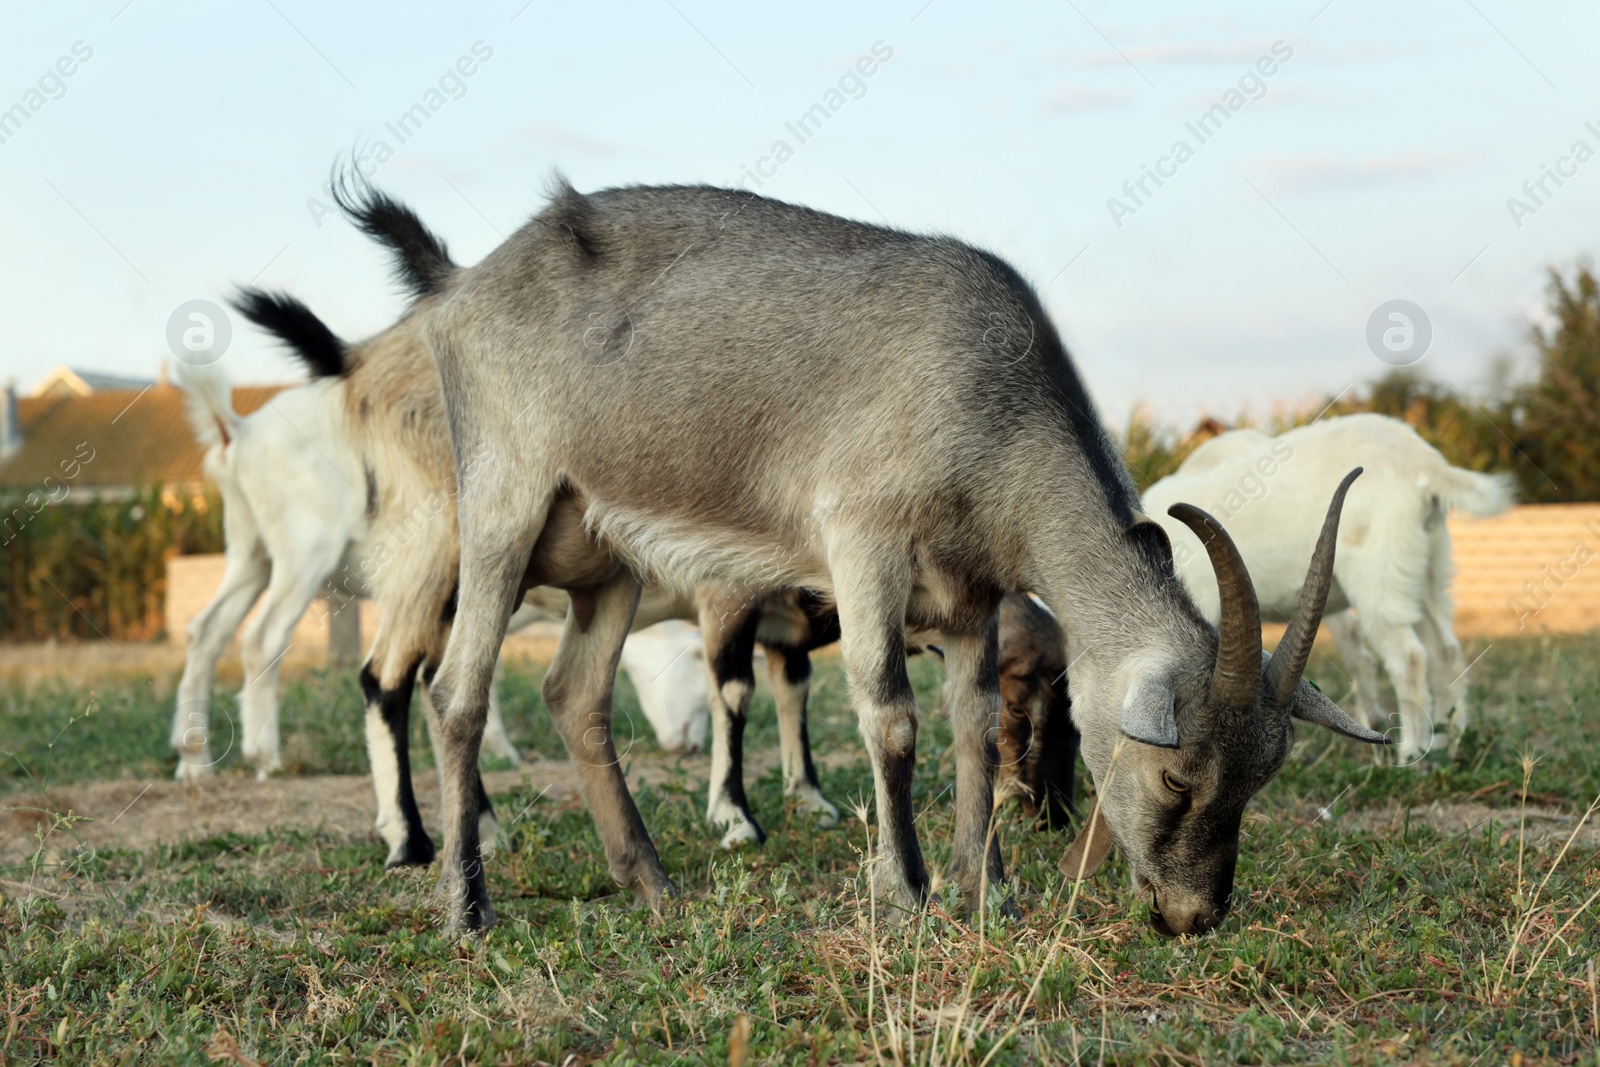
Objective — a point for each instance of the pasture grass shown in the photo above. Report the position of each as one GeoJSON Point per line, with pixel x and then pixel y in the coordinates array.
{"type": "Point", "coordinates": [1363, 933]}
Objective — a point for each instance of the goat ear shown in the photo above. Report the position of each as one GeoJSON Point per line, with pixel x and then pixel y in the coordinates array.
{"type": "Point", "coordinates": [1150, 534]}
{"type": "Point", "coordinates": [1311, 705]}
{"type": "Point", "coordinates": [1085, 855]}
{"type": "Point", "coordinates": [1148, 715]}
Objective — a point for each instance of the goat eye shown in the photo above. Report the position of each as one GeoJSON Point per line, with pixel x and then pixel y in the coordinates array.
{"type": "Point", "coordinates": [1172, 783]}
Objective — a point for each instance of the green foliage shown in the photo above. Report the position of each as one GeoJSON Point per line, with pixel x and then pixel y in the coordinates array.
{"type": "Point", "coordinates": [1546, 431]}
{"type": "Point", "coordinates": [1558, 415]}
{"type": "Point", "coordinates": [97, 569]}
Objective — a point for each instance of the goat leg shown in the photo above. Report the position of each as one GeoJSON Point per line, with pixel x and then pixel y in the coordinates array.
{"type": "Point", "coordinates": [789, 671]}
{"type": "Point", "coordinates": [399, 822]}
{"type": "Point", "coordinates": [973, 695]}
{"type": "Point", "coordinates": [578, 692]}
{"type": "Point", "coordinates": [728, 622]}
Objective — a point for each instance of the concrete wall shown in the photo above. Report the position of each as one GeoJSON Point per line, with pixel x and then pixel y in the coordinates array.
{"type": "Point", "coordinates": [1533, 570]}
{"type": "Point", "coordinates": [193, 580]}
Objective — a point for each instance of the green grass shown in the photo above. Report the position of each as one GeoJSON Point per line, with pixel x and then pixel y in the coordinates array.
{"type": "Point", "coordinates": [1347, 945]}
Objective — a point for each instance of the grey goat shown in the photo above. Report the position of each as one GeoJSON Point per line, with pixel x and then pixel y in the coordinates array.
{"type": "Point", "coordinates": [697, 384]}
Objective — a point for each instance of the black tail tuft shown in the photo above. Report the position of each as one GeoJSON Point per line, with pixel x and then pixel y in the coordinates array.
{"type": "Point", "coordinates": [422, 263]}
{"type": "Point", "coordinates": [291, 322]}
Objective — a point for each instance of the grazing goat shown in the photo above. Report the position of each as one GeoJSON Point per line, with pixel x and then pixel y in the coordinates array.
{"type": "Point", "coordinates": [293, 514]}
{"type": "Point", "coordinates": [391, 405]}
{"type": "Point", "coordinates": [888, 419]}
{"type": "Point", "coordinates": [1393, 565]}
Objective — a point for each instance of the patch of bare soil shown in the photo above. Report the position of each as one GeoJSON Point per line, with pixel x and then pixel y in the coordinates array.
{"type": "Point", "coordinates": [139, 814]}
{"type": "Point", "coordinates": [1537, 823]}
{"type": "Point", "coordinates": [159, 663]}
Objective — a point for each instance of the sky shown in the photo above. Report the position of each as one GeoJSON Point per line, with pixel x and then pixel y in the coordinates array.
{"type": "Point", "coordinates": [1356, 153]}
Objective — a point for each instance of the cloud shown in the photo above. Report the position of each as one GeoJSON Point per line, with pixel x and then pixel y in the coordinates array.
{"type": "Point", "coordinates": [1238, 52]}
{"type": "Point", "coordinates": [1073, 99]}
{"type": "Point", "coordinates": [953, 71]}
{"type": "Point", "coordinates": [415, 163]}
{"type": "Point", "coordinates": [1172, 27]}
{"type": "Point", "coordinates": [1276, 94]}
{"type": "Point", "coordinates": [560, 139]}
{"type": "Point", "coordinates": [1361, 52]}
{"type": "Point", "coordinates": [1242, 52]}
{"type": "Point", "coordinates": [1317, 172]}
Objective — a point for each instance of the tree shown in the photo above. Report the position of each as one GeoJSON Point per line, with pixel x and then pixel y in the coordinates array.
{"type": "Point", "coordinates": [1557, 416]}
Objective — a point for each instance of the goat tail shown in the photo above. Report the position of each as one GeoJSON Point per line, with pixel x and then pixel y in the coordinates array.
{"type": "Point", "coordinates": [210, 404]}
{"type": "Point", "coordinates": [1481, 495]}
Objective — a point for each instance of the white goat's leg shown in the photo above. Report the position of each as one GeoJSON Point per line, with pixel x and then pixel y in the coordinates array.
{"type": "Point", "coordinates": [1345, 629]}
{"type": "Point", "coordinates": [209, 633]}
{"type": "Point", "coordinates": [1406, 662]}
{"type": "Point", "coordinates": [266, 641]}
{"type": "Point", "coordinates": [972, 698]}
{"type": "Point", "coordinates": [872, 611]}
{"type": "Point", "coordinates": [728, 623]}
{"type": "Point", "coordinates": [789, 671]}
{"type": "Point", "coordinates": [494, 733]}
{"type": "Point", "coordinates": [1447, 676]}
{"type": "Point", "coordinates": [1447, 668]}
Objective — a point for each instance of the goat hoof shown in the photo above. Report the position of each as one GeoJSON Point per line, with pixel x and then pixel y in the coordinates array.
{"type": "Point", "coordinates": [827, 815]}
{"type": "Point", "coordinates": [889, 887]}
{"type": "Point", "coordinates": [413, 852]}
{"type": "Point", "coordinates": [657, 894]}
{"type": "Point", "coordinates": [742, 833]}
{"type": "Point", "coordinates": [467, 909]}
{"type": "Point", "coordinates": [811, 802]}
{"type": "Point", "coordinates": [488, 834]}
{"type": "Point", "coordinates": [505, 752]}
{"type": "Point", "coordinates": [192, 768]}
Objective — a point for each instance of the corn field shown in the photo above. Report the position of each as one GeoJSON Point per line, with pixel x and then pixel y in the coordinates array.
{"type": "Point", "coordinates": [98, 569]}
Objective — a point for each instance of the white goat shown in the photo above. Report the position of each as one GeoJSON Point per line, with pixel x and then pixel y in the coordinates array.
{"type": "Point", "coordinates": [1393, 561]}
{"type": "Point", "coordinates": [293, 514]}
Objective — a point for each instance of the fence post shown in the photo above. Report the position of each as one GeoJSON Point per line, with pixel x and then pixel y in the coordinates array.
{"type": "Point", "coordinates": [344, 635]}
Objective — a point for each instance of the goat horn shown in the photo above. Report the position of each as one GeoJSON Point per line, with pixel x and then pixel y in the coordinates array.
{"type": "Point", "coordinates": [1236, 678]}
{"type": "Point", "coordinates": [1289, 659]}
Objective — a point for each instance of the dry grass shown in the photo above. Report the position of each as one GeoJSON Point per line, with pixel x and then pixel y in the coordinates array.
{"type": "Point", "coordinates": [1368, 930]}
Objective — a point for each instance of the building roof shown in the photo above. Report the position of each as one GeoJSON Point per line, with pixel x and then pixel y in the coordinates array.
{"type": "Point", "coordinates": [75, 381]}
{"type": "Point", "coordinates": [135, 436]}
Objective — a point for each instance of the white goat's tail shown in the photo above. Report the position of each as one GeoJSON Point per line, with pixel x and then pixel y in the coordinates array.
{"type": "Point", "coordinates": [210, 403]}
{"type": "Point", "coordinates": [1481, 495]}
